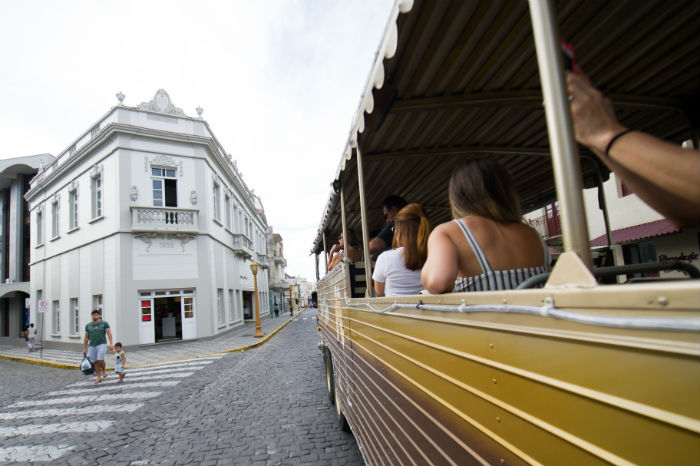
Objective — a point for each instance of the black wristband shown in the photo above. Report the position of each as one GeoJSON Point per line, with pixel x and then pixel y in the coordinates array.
{"type": "Point", "coordinates": [615, 138]}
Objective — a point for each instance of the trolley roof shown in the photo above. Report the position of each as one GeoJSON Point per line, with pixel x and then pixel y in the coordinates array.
{"type": "Point", "coordinates": [458, 79]}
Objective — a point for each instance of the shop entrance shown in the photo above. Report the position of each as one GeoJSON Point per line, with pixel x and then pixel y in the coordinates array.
{"type": "Point", "coordinates": [167, 315]}
{"type": "Point", "coordinates": [168, 318]}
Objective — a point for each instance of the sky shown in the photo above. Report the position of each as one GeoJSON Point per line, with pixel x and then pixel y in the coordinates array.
{"type": "Point", "coordinates": [279, 82]}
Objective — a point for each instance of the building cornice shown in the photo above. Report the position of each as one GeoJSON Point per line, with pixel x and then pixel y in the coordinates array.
{"type": "Point", "coordinates": [41, 182]}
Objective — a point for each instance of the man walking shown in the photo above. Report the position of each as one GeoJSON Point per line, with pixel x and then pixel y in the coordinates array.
{"type": "Point", "coordinates": [95, 344]}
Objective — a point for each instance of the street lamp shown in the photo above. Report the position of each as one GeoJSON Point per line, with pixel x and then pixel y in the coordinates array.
{"type": "Point", "coordinates": [254, 269]}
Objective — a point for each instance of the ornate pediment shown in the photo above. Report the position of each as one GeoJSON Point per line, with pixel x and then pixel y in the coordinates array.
{"type": "Point", "coordinates": [161, 103]}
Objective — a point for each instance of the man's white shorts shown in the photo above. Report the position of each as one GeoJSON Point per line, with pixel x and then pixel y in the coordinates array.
{"type": "Point", "coordinates": [97, 353]}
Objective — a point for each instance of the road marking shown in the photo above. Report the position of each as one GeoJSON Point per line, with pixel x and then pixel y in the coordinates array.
{"type": "Point", "coordinates": [33, 453]}
{"type": "Point", "coordinates": [131, 386]}
{"type": "Point", "coordinates": [113, 378]}
{"type": "Point", "coordinates": [86, 399]}
{"type": "Point", "coordinates": [67, 427]}
{"type": "Point", "coordinates": [204, 360]}
{"type": "Point", "coordinates": [118, 408]}
{"type": "Point", "coordinates": [187, 366]}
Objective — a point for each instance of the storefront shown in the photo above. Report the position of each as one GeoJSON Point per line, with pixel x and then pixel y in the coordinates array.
{"type": "Point", "coordinates": [167, 315]}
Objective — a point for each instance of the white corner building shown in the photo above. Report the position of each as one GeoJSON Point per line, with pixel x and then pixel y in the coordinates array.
{"type": "Point", "coordinates": [146, 218]}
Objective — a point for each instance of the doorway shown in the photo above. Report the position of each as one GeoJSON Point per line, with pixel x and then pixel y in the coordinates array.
{"type": "Point", "coordinates": [247, 305]}
{"type": "Point", "coordinates": [168, 318]}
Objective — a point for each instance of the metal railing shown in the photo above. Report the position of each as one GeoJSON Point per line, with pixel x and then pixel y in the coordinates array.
{"type": "Point", "coordinates": [546, 226]}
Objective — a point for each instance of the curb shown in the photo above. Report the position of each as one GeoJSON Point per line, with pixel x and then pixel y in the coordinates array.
{"type": "Point", "coordinates": [61, 365]}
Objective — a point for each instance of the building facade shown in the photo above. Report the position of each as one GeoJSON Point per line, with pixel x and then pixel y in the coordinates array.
{"type": "Point", "coordinates": [146, 218]}
{"type": "Point", "coordinates": [639, 234]}
{"type": "Point", "coordinates": [15, 174]}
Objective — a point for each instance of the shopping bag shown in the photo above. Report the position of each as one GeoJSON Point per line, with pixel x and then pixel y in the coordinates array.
{"type": "Point", "coordinates": [86, 366]}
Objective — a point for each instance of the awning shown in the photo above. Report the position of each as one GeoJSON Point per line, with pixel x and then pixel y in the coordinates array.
{"type": "Point", "coordinates": [645, 230]}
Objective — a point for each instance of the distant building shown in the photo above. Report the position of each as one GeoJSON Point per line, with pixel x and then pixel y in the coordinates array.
{"type": "Point", "coordinates": [145, 217]}
{"type": "Point", "coordinates": [15, 174]}
{"type": "Point", "coordinates": [278, 282]}
{"type": "Point", "coordinates": [639, 233]}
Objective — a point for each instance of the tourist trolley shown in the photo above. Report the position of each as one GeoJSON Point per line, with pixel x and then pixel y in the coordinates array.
{"type": "Point", "coordinates": [567, 370]}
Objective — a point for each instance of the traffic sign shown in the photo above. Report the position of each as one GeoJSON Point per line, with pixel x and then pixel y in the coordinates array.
{"type": "Point", "coordinates": [43, 306]}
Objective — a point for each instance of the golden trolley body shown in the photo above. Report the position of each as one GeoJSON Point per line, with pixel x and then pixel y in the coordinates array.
{"type": "Point", "coordinates": [574, 372]}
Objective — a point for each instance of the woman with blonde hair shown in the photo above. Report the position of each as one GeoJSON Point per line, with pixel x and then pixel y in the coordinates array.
{"type": "Point", "coordinates": [397, 271]}
{"type": "Point", "coordinates": [488, 246]}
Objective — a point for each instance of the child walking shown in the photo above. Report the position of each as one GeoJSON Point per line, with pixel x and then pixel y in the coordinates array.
{"type": "Point", "coordinates": [120, 364]}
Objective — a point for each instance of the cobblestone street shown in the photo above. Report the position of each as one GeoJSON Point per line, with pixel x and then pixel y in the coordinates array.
{"type": "Point", "coordinates": [265, 406]}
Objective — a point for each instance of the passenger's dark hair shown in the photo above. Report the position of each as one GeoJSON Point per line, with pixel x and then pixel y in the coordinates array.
{"type": "Point", "coordinates": [411, 231]}
{"type": "Point", "coordinates": [353, 239]}
{"type": "Point", "coordinates": [95, 311]}
{"type": "Point", "coordinates": [483, 187]}
{"type": "Point", "coordinates": [119, 344]}
{"type": "Point", "coordinates": [394, 201]}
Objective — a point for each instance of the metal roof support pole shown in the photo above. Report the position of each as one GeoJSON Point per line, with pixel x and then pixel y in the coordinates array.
{"type": "Point", "coordinates": [365, 230]}
{"type": "Point", "coordinates": [346, 259]}
{"type": "Point", "coordinates": [342, 222]}
{"type": "Point", "coordinates": [325, 252]}
{"type": "Point", "coordinates": [602, 203]}
{"type": "Point", "coordinates": [316, 260]}
{"type": "Point", "coordinates": [565, 160]}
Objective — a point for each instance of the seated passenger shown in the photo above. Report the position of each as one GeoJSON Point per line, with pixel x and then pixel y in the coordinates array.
{"type": "Point", "coordinates": [397, 271]}
{"type": "Point", "coordinates": [338, 251]}
{"type": "Point", "coordinates": [391, 205]}
{"type": "Point", "coordinates": [488, 246]}
{"type": "Point", "coordinates": [664, 175]}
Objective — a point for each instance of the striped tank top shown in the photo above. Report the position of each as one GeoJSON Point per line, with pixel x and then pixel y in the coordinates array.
{"type": "Point", "coordinates": [493, 280]}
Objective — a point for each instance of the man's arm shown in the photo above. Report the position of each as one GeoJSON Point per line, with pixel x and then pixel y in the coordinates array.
{"type": "Point", "coordinates": [665, 176]}
{"type": "Point", "coordinates": [376, 245]}
{"type": "Point", "coordinates": [109, 335]}
{"type": "Point", "coordinates": [85, 342]}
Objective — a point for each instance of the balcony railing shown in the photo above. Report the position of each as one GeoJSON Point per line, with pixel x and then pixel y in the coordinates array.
{"type": "Point", "coordinates": [281, 284]}
{"type": "Point", "coordinates": [164, 219]}
{"type": "Point", "coordinates": [262, 260]}
{"type": "Point", "coordinates": [547, 226]}
{"type": "Point", "coordinates": [242, 246]}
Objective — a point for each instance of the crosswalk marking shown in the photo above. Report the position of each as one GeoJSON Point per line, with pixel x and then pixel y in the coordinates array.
{"type": "Point", "coordinates": [85, 400]}
{"type": "Point", "coordinates": [68, 427]}
{"type": "Point", "coordinates": [33, 452]}
{"type": "Point", "coordinates": [188, 366]}
{"type": "Point", "coordinates": [97, 397]}
{"type": "Point", "coordinates": [114, 379]}
{"type": "Point", "coordinates": [130, 386]}
{"type": "Point", "coordinates": [106, 408]}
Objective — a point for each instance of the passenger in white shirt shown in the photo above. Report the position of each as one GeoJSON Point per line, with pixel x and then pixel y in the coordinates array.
{"type": "Point", "coordinates": [397, 271]}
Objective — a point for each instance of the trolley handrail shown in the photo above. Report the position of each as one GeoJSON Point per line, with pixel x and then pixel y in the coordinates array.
{"type": "Point", "coordinates": [647, 267]}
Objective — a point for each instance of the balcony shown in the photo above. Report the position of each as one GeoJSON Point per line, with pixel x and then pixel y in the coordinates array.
{"type": "Point", "coordinates": [279, 285]}
{"type": "Point", "coordinates": [262, 260]}
{"type": "Point", "coordinates": [279, 259]}
{"type": "Point", "coordinates": [548, 226]}
{"type": "Point", "coordinates": [165, 219]}
{"type": "Point", "coordinates": [242, 246]}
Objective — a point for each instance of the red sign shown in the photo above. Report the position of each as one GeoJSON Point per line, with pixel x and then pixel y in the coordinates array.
{"type": "Point", "coordinates": [146, 318]}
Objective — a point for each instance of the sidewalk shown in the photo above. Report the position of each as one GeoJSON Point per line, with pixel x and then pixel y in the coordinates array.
{"type": "Point", "coordinates": [236, 340]}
